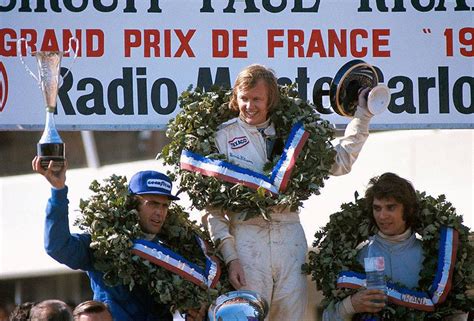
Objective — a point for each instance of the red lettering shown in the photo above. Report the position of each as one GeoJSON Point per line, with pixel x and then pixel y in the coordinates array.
{"type": "Point", "coordinates": [466, 38]}
{"type": "Point", "coordinates": [8, 47]}
{"type": "Point", "coordinates": [31, 38]}
{"type": "Point", "coordinates": [132, 39]}
{"type": "Point", "coordinates": [239, 42]}
{"type": "Point", "coordinates": [184, 46]}
{"type": "Point", "coordinates": [316, 44]}
{"type": "Point", "coordinates": [379, 41]}
{"type": "Point", "coordinates": [151, 42]}
{"type": "Point", "coordinates": [94, 42]}
{"type": "Point", "coordinates": [92, 34]}
{"type": "Point", "coordinates": [67, 36]}
{"type": "Point", "coordinates": [337, 42]}
{"type": "Point", "coordinates": [272, 42]}
{"type": "Point", "coordinates": [220, 43]}
{"type": "Point", "coordinates": [167, 43]}
{"type": "Point", "coordinates": [353, 40]}
{"type": "Point", "coordinates": [295, 42]}
{"type": "Point", "coordinates": [50, 43]}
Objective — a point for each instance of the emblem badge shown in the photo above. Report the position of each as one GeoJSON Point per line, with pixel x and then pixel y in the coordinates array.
{"type": "Point", "coordinates": [238, 142]}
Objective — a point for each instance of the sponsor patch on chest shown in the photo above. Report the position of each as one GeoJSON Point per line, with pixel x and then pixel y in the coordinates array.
{"type": "Point", "coordinates": [238, 142]}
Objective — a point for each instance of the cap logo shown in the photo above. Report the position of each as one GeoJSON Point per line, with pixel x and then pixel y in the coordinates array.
{"type": "Point", "coordinates": [158, 183]}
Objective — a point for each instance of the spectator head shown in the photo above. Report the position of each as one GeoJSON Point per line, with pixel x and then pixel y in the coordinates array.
{"type": "Point", "coordinates": [3, 312]}
{"type": "Point", "coordinates": [92, 311]}
{"type": "Point", "coordinates": [21, 312]}
{"type": "Point", "coordinates": [51, 310]}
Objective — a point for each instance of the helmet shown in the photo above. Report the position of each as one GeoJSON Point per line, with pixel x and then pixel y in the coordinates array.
{"type": "Point", "coordinates": [242, 305]}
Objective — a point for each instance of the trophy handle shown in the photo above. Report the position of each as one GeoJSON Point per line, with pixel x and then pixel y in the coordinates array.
{"type": "Point", "coordinates": [18, 48]}
{"type": "Point", "coordinates": [75, 53]}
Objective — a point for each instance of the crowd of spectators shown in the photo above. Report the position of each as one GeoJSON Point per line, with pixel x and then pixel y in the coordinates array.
{"type": "Point", "coordinates": [55, 310]}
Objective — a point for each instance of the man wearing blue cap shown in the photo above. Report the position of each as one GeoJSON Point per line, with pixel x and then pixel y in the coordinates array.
{"type": "Point", "coordinates": [153, 192]}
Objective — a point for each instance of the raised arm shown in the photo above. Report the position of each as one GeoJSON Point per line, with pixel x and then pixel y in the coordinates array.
{"type": "Point", "coordinates": [355, 135]}
{"type": "Point", "coordinates": [66, 248]}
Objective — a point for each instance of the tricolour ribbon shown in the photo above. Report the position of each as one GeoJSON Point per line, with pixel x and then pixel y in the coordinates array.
{"type": "Point", "coordinates": [441, 286]}
{"type": "Point", "coordinates": [225, 171]}
{"type": "Point", "coordinates": [162, 256]}
{"type": "Point", "coordinates": [238, 175]}
{"type": "Point", "coordinates": [414, 299]}
{"type": "Point", "coordinates": [398, 295]}
{"type": "Point", "coordinates": [295, 142]}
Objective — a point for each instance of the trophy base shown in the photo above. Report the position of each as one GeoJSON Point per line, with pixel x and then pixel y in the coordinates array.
{"type": "Point", "coordinates": [51, 152]}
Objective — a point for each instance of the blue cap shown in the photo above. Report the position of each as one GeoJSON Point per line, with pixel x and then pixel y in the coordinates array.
{"type": "Point", "coordinates": [151, 182]}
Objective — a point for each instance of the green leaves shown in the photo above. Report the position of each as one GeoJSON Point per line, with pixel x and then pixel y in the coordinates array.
{"type": "Point", "coordinates": [109, 215]}
{"type": "Point", "coordinates": [335, 251]}
{"type": "Point", "coordinates": [194, 128]}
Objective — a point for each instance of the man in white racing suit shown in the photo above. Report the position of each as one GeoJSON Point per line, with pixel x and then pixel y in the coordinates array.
{"type": "Point", "coordinates": [266, 256]}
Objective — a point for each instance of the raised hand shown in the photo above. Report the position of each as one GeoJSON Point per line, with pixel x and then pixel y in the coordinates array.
{"type": "Point", "coordinates": [55, 174]}
{"type": "Point", "coordinates": [363, 94]}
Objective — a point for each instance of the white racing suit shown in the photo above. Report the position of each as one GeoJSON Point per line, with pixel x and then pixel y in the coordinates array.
{"type": "Point", "coordinates": [271, 252]}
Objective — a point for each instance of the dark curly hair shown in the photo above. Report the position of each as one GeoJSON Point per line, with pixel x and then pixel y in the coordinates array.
{"type": "Point", "coordinates": [390, 185]}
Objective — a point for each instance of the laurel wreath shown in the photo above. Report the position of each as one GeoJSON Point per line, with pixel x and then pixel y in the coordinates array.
{"type": "Point", "coordinates": [336, 244]}
{"type": "Point", "coordinates": [107, 216]}
{"type": "Point", "coordinates": [194, 129]}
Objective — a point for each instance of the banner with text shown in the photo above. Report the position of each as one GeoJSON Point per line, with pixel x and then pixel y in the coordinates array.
{"type": "Point", "coordinates": [136, 57]}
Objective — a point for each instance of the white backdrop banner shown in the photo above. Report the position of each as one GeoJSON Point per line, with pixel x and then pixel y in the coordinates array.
{"type": "Point", "coordinates": [136, 57]}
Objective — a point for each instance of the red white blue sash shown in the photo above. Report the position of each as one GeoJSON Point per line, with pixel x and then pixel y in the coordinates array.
{"type": "Point", "coordinates": [282, 170]}
{"type": "Point", "coordinates": [441, 286]}
{"type": "Point", "coordinates": [225, 171]}
{"type": "Point", "coordinates": [414, 299]}
{"type": "Point", "coordinates": [235, 174]}
{"type": "Point", "coordinates": [398, 295]}
{"type": "Point", "coordinates": [161, 255]}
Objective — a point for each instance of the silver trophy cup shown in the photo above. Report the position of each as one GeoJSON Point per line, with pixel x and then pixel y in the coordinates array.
{"type": "Point", "coordinates": [50, 146]}
{"type": "Point", "coordinates": [242, 305]}
{"type": "Point", "coordinates": [354, 76]}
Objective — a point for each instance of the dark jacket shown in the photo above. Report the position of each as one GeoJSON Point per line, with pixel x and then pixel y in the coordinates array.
{"type": "Point", "coordinates": [73, 250]}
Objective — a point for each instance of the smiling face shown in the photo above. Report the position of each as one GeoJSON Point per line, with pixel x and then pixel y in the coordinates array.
{"type": "Point", "coordinates": [152, 212]}
{"type": "Point", "coordinates": [253, 103]}
{"type": "Point", "coordinates": [388, 215]}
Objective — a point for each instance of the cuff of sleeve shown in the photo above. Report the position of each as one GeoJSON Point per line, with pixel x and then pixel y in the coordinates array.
{"type": "Point", "coordinates": [57, 204]}
{"type": "Point", "coordinates": [358, 125]}
{"type": "Point", "coordinates": [346, 307]}
{"type": "Point", "coordinates": [363, 113]}
{"type": "Point", "coordinates": [59, 193]}
{"type": "Point", "coordinates": [228, 251]}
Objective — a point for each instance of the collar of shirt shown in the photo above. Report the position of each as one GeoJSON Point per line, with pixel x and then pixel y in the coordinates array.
{"type": "Point", "coordinates": [267, 126]}
{"type": "Point", "coordinates": [396, 238]}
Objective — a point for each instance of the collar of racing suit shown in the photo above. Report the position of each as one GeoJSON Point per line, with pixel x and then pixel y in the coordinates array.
{"type": "Point", "coordinates": [268, 131]}
{"type": "Point", "coordinates": [396, 238]}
